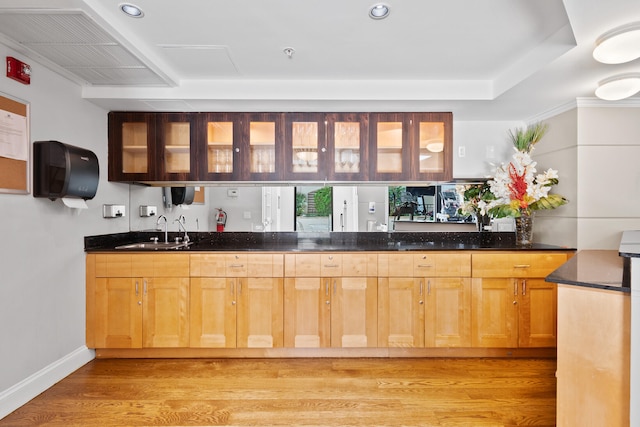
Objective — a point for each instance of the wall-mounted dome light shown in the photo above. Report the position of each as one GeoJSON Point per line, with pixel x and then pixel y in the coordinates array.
{"type": "Point", "coordinates": [619, 87]}
{"type": "Point", "coordinates": [131, 10]}
{"type": "Point", "coordinates": [379, 11]}
{"type": "Point", "coordinates": [619, 45]}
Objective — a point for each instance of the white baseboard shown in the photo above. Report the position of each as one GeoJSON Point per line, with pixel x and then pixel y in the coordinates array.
{"type": "Point", "coordinates": [22, 392]}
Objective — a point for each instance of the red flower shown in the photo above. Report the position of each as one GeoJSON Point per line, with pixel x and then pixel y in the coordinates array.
{"type": "Point", "coordinates": [518, 186]}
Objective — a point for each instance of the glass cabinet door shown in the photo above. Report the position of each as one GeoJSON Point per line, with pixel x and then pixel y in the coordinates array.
{"type": "Point", "coordinates": [221, 131]}
{"type": "Point", "coordinates": [220, 138]}
{"type": "Point", "coordinates": [265, 136]}
{"type": "Point", "coordinates": [131, 151]}
{"type": "Point", "coordinates": [433, 141]}
{"type": "Point", "coordinates": [348, 135]}
{"type": "Point", "coordinates": [176, 133]}
{"type": "Point", "coordinates": [389, 132]}
{"type": "Point", "coordinates": [306, 146]}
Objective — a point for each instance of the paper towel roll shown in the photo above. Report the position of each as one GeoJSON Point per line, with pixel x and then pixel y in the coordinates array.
{"type": "Point", "coordinates": [75, 203]}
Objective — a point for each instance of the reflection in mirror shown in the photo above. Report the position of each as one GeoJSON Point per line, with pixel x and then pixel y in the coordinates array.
{"type": "Point", "coordinates": [313, 208]}
{"type": "Point", "coordinates": [307, 208]}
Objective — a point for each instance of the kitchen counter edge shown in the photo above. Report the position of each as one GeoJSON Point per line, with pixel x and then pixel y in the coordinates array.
{"type": "Point", "coordinates": [319, 242]}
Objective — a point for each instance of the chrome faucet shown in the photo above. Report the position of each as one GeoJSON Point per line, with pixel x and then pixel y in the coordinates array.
{"type": "Point", "coordinates": [181, 220]}
{"type": "Point", "coordinates": [166, 234]}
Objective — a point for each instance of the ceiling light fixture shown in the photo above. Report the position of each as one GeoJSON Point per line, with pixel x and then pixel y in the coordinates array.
{"type": "Point", "coordinates": [131, 10]}
{"type": "Point", "coordinates": [619, 45]}
{"type": "Point", "coordinates": [618, 87]}
{"type": "Point", "coordinates": [379, 11]}
{"type": "Point", "coordinates": [289, 51]}
{"type": "Point", "coordinates": [434, 145]}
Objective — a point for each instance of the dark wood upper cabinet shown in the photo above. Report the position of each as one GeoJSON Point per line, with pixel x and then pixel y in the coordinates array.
{"type": "Point", "coordinates": [132, 148]}
{"type": "Point", "coordinates": [176, 147]}
{"type": "Point", "coordinates": [279, 147]}
{"type": "Point", "coordinates": [411, 147]}
{"type": "Point", "coordinates": [306, 152]}
{"type": "Point", "coordinates": [348, 146]}
{"type": "Point", "coordinates": [431, 146]}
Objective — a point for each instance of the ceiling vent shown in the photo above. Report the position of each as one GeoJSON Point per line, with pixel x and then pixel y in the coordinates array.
{"type": "Point", "coordinates": [77, 47]}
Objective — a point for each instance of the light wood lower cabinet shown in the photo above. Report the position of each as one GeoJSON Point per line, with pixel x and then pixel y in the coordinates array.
{"type": "Point", "coordinates": [425, 300]}
{"type": "Point", "coordinates": [330, 300]}
{"type": "Point", "coordinates": [241, 300]}
{"type": "Point", "coordinates": [137, 301]}
{"type": "Point", "coordinates": [236, 301]}
{"type": "Point", "coordinates": [512, 304]}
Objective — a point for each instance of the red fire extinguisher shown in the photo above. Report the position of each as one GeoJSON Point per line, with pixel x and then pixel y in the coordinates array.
{"type": "Point", "coordinates": [221, 220]}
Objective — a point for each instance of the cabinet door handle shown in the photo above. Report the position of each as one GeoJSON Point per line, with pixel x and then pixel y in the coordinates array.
{"type": "Point", "coordinates": [515, 288]}
{"type": "Point", "coordinates": [331, 265]}
{"type": "Point", "coordinates": [144, 283]}
{"type": "Point", "coordinates": [326, 288]}
{"type": "Point", "coordinates": [136, 288]}
{"type": "Point", "coordinates": [524, 287]}
{"type": "Point", "coordinates": [233, 289]}
{"type": "Point", "coordinates": [425, 265]}
{"type": "Point", "coordinates": [334, 287]}
{"type": "Point", "coordinates": [421, 286]}
{"type": "Point", "coordinates": [429, 287]}
{"type": "Point", "coordinates": [522, 266]}
{"type": "Point", "coordinates": [239, 286]}
{"type": "Point", "coordinates": [237, 265]}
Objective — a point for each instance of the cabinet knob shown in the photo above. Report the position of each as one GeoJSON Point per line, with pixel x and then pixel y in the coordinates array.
{"type": "Point", "coordinates": [237, 150]}
{"type": "Point", "coordinates": [139, 302]}
{"type": "Point", "coordinates": [421, 302]}
{"type": "Point", "coordinates": [515, 302]}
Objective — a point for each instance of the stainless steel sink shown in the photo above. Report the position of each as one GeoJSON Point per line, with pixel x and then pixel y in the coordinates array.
{"type": "Point", "coordinates": [155, 246]}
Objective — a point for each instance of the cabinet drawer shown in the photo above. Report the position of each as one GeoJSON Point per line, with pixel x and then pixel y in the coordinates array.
{"type": "Point", "coordinates": [359, 265]}
{"type": "Point", "coordinates": [302, 265]}
{"type": "Point", "coordinates": [442, 265]}
{"type": "Point", "coordinates": [395, 265]}
{"type": "Point", "coordinates": [265, 265]}
{"type": "Point", "coordinates": [113, 265]}
{"type": "Point", "coordinates": [516, 265]}
{"type": "Point", "coordinates": [207, 265]}
{"type": "Point", "coordinates": [142, 265]}
{"type": "Point", "coordinates": [425, 264]}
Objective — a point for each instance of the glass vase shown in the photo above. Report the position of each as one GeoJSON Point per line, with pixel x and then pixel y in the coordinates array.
{"type": "Point", "coordinates": [482, 221]}
{"type": "Point", "coordinates": [524, 229]}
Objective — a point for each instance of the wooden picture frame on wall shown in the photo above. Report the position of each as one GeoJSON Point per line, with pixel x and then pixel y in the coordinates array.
{"type": "Point", "coordinates": [15, 149]}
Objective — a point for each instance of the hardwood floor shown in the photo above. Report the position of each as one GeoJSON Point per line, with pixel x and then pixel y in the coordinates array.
{"type": "Point", "coordinates": [299, 392]}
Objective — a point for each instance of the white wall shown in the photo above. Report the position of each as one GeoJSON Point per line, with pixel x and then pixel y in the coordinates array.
{"type": "Point", "coordinates": [608, 178]}
{"type": "Point", "coordinates": [596, 149]}
{"type": "Point", "coordinates": [483, 145]}
{"type": "Point", "coordinates": [42, 285]}
{"type": "Point", "coordinates": [558, 150]}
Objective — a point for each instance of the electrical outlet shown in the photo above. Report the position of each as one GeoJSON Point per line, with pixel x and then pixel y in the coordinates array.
{"type": "Point", "coordinates": [246, 215]}
{"type": "Point", "coordinates": [462, 151]}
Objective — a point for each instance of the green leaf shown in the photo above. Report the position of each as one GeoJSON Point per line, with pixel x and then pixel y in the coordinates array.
{"type": "Point", "coordinates": [552, 201]}
{"type": "Point", "coordinates": [525, 139]}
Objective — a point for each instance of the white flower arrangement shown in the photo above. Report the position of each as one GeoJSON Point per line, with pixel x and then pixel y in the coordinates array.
{"type": "Point", "coordinates": [516, 186]}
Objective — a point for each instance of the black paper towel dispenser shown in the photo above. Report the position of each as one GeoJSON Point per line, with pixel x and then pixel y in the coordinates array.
{"type": "Point", "coordinates": [63, 170]}
{"type": "Point", "coordinates": [182, 195]}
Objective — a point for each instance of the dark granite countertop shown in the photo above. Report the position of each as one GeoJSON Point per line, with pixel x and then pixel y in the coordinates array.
{"type": "Point", "coordinates": [328, 241]}
{"type": "Point", "coordinates": [602, 269]}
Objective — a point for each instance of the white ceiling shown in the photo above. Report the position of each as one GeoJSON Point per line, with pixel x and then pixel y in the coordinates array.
{"type": "Point", "coordinates": [489, 60]}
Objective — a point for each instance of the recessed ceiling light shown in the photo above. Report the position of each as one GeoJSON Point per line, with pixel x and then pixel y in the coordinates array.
{"type": "Point", "coordinates": [379, 11]}
{"type": "Point", "coordinates": [619, 87]}
{"type": "Point", "coordinates": [619, 45]}
{"type": "Point", "coordinates": [131, 10]}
